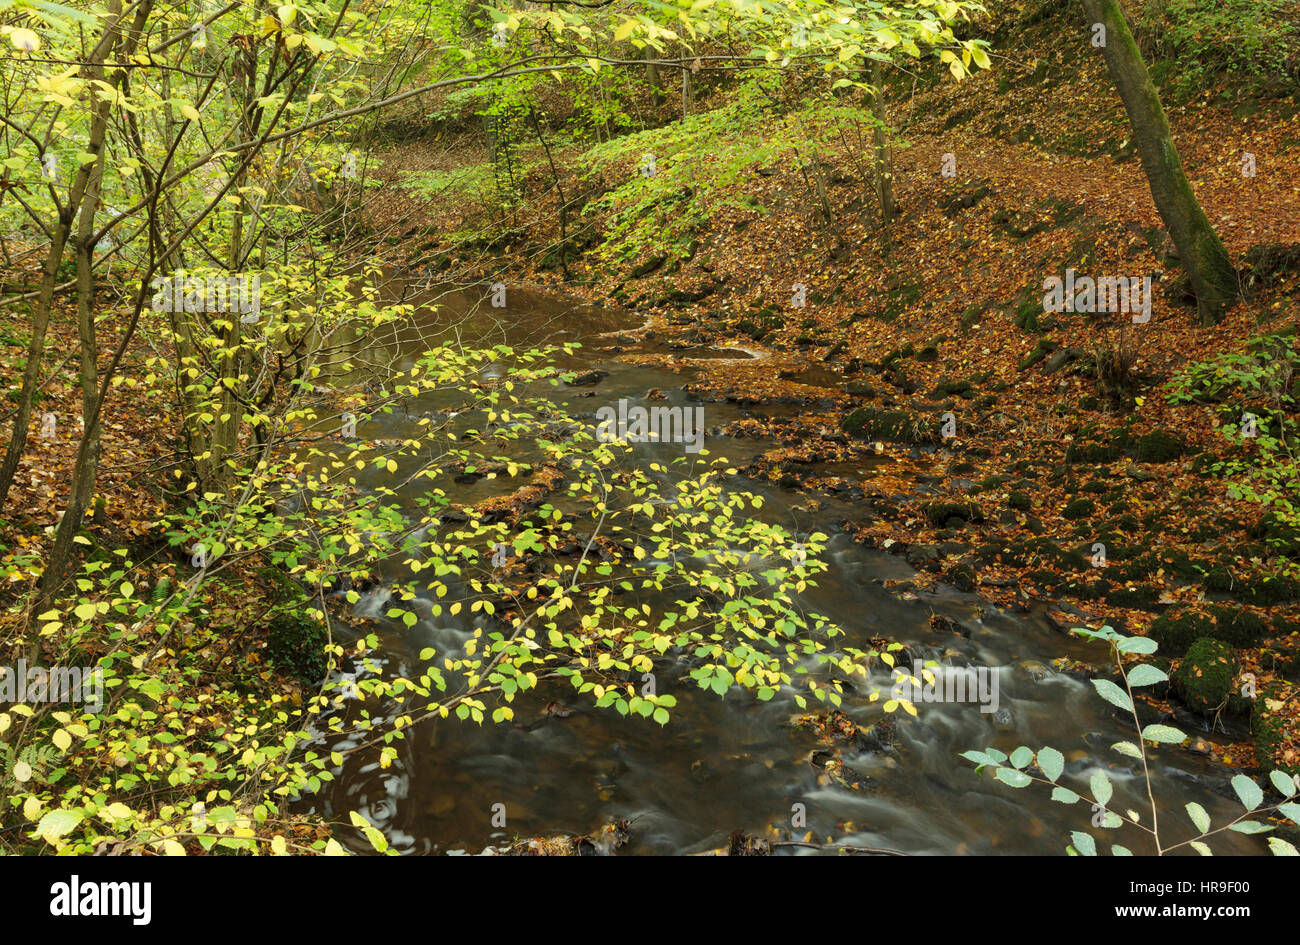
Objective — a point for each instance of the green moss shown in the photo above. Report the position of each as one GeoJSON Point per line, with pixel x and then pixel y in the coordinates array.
{"type": "Point", "coordinates": [1270, 730]}
{"type": "Point", "coordinates": [1205, 676]}
{"type": "Point", "coordinates": [897, 426]}
{"type": "Point", "coordinates": [295, 644]}
{"type": "Point", "coordinates": [1274, 589]}
{"type": "Point", "coordinates": [1237, 627]}
{"type": "Point", "coordinates": [952, 514]}
{"type": "Point", "coordinates": [1029, 313]}
{"type": "Point", "coordinates": [1219, 579]}
{"type": "Point", "coordinates": [1079, 508]}
{"type": "Point", "coordinates": [947, 388]}
{"type": "Point", "coordinates": [1020, 500]}
{"type": "Point", "coordinates": [962, 577]}
{"type": "Point", "coordinates": [1041, 350]}
{"type": "Point", "coordinates": [1176, 630]}
{"type": "Point", "coordinates": [1158, 446]}
{"type": "Point", "coordinates": [1137, 597]}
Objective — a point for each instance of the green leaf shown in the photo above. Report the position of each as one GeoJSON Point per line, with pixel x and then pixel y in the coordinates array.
{"type": "Point", "coordinates": [1011, 776]}
{"type": "Point", "coordinates": [59, 823]}
{"type": "Point", "coordinates": [1113, 694]}
{"type": "Point", "coordinates": [1250, 826]}
{"type": "Point", "coordinates": [1117, 850]}
{"type": "Point", "coordinates": [377, 839]}
{"type": "Point", "coordinates": [1064, 795]}
{"type": "Point", "coordinates": [1128, 748]}
{"type": "Point", "coordinates": [1145, 675]}
{"type": "Point", "coordinates": [1084, 843]}
{"type": "Point", "coordinates": [1052, 763]}
{"type": "Point", "coordinates": [1164, 734]}
{"type": "Point", "coordinates": [1284, 784]}
{"type": "Point", "coordinates": [1143, 646]}
{"type": "Point", "coordinates": [1199, 817]}
{"type": "Point", "coordinates": [1021, 757]}
{"type": "Point", "coordinates": [1101, 787]}
{"type": "Point", "coordinates": [1281, 848]}
{"type": "Point", "coordinates": [1249, 792]}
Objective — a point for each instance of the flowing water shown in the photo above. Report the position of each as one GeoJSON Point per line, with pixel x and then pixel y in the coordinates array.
{"type": "Point", "coordinates": [734, 763]}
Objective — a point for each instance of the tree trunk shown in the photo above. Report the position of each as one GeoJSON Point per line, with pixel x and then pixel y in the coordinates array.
{"type": "Point", "coordinates": [35, 353]}
{"type": "Point", "coordinates": [880, 140]}
{"type": "Point", "coordinates": [87, 465]}
{"type": "Point", "coordinates": [1214, 281]}
{"type": "Point", "coordinates": [652, 74]}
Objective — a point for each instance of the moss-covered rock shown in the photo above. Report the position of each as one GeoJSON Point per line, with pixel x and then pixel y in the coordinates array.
{"type": "Point", "coordinates": [1158, 446]}
{"type": "Point", "coordinates": [1273, 589]}
{"type": "Point", "coordinates": [1020, 500]}
{"type": "Point", "coordinates": [1277, 708]}
{"type": "Point", "coordinates": [1237, 627]}
{"type": "Point", "coordinates": [1219, 579]}
{"type": "Point", "coordinates": [947, 388]}
{"type": "Point", "coordinates": [1176, 630]}
{"type": "Point", "coordinates": [1079, 508]}
{"type": "Point", "coordinates": [962, 577]}
{"type": "Point", "coordinates": [952, 514]}
{"type": "Point", "coordinates": [1137, 597]}
{"type": "Point", "coordinates": [1205, 676]}
{"type": "Point", "coordinates": [1041, 350]}
{"type": "Point", "coordinates": [898, 426]}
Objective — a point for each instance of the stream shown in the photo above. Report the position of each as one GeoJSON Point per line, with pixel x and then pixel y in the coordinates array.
{"type": "Point", "coordinates": [735, 763]}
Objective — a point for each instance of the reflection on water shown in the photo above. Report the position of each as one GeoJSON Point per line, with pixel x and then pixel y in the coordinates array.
{"type": "Point", "coordinates": [734, 763]}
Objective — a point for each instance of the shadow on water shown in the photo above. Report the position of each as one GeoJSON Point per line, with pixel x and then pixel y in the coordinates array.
{"type": "Point", "coordinates": [724, 764]}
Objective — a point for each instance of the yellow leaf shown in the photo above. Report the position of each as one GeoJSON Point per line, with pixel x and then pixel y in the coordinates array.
{"type": "Point", "coordinates": [25, 40]}
{"type": "Point", "coordinates": [61, 739]}
{"type": "Point", "coordinates": [173, 848]}
{"type": "Point", "coordinates": [190, 112]}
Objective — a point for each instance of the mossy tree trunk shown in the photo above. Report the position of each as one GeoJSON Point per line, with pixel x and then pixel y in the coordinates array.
{"type": "Point", "coordinates": [880, 141]}
{"type": "Point", "coordinates": [1213, 278]}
